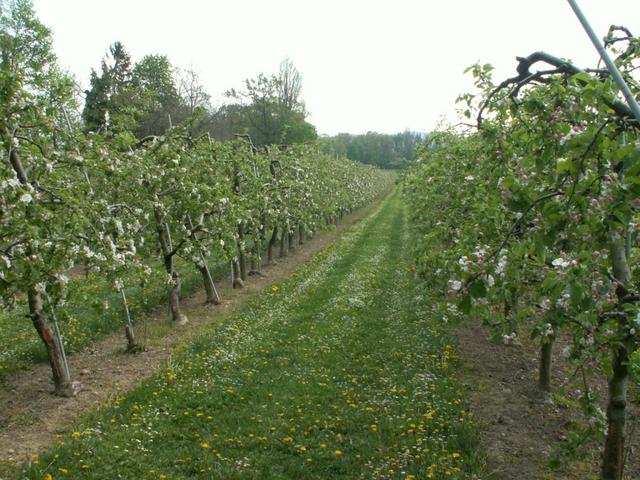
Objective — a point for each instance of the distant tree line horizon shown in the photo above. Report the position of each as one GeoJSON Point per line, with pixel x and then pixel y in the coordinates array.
{"type": "Point", "coordinates": [150, 96]}
{"type": "Point", "coordinates": [389, 151]}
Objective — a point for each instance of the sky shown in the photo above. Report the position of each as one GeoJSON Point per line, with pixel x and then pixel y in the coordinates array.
{"type": "Point", "coordinates": [375, 65]}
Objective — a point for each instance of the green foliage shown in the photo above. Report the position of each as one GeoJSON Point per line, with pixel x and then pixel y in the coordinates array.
{"type": "Point", "coordinates": [378, 149]}
{"type": "Point", "coordinates": [536, 206]}
{"type": "Point", "coordinates": [271, 110]}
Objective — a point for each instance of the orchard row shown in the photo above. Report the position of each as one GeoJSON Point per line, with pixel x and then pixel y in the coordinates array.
{"type": "Point", "coordinates": [115, 207]}
{"type": "Point", "coordinates": [529, 220]}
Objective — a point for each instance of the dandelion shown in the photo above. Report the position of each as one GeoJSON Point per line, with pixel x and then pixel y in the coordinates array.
{"type": "Point", "coordinates": [338, 453]}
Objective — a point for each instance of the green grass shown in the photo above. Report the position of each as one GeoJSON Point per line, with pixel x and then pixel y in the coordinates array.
{"type": "Point", "coordinates": [342, 371]}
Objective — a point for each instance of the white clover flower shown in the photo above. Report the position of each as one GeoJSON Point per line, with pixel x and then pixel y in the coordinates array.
{"type": "Point", "coordinates": [560, 262]}
{"type": "Point", "coordinates": [455, 285]}
{"type": "Point", "coordinates": [13, 182]}
{"type": "Point", "coordinates": [26, 198]}
{"type": "Point", "coordinates": [40, 287]}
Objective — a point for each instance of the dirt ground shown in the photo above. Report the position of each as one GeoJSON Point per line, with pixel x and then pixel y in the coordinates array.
{"type": "Point", "coordinates": [32, 417]}
{"type": "Point", "coordinates": [521, 429]}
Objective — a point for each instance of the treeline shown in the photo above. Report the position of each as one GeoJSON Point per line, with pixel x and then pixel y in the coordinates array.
{"type": "Point", "coordinates": [379, 149]}
{"type": "Point", "coordinates": [152, 95]}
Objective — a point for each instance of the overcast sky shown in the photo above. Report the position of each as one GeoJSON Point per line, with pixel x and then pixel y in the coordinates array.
{"type": "Point", "coordinates": [375, 65]}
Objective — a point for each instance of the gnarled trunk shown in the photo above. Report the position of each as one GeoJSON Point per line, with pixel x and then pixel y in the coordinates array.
{"type": "Point", "coordinates": [63, 386]}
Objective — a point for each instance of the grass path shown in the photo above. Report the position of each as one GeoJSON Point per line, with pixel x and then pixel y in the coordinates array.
{"type": "Point", "coordinates": [341, 371]}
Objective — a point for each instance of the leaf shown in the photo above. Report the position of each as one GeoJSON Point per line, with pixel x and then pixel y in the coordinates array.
{"type": "Point", "coordinates": [465, 304]}
{"type": "Point", "coordinates": [583, 76]}
{"type": "Point", "coordinates": [577, 293]}
{"type": "Point", "coordinates": [478, 289]}
{"type": "Point", "coordinates": [540, 248]}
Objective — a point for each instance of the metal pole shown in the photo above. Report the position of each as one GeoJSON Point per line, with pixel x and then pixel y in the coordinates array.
{"type": "Point", "coordinates": [126, 307]}
{"type": "Point", "coordinates": [615, 73]}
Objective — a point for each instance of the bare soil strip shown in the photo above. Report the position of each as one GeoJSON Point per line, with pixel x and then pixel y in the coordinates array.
{"type": "Point", "coordinates": [520, 430]}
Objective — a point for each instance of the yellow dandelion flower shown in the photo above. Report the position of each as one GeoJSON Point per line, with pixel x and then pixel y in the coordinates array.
{"type": "Point", "coordinates": [338, 453]}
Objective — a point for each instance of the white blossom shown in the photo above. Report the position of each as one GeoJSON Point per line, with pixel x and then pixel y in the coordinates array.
{"type": "Point", "coordinates": [560, 262]}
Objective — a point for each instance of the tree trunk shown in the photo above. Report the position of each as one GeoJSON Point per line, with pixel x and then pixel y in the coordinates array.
{"type": "Point", "coordinates": [510, 309]}
{"type": "Point", "coordinates": [613, 457]}
{"type": "Point", "coordinates": [61, 378]}
{"type": "Point", "coordinates": [255, 265]}
{"type": "Point", "coordinates": [290, 240]}
{"type": "Point", "coordinates": [207, 280]}
{"type": "Point", "coordinates": [209, 287]}
{"type": "Point", "coordinates": [132, 346]}
{"type": "Point", "coordinates": [283, 244]}
{"type": "Point", "coordinates": [174, 301]}
{"type": "Point", "coordinates": [237, 281]}
{"type": "Point", "coordinates": [300, 234]}
{"type": "Point", "coordinates": [272, 242]}
{"type": "Point", "coordinates": [167, 255]}
{"type": "Point", "coordinates": [63, 386]}
{"type": "Point", "coordinates": [241, 256]}
{"type": "Point", "coordinates": [546, 360]}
